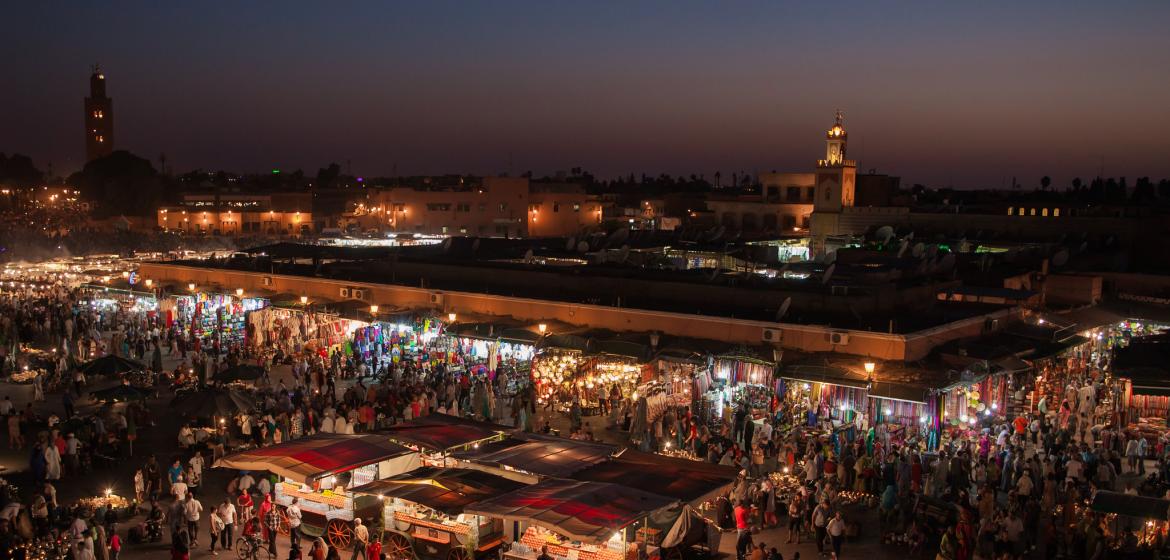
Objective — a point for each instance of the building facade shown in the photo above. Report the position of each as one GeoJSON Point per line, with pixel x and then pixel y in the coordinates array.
{"type": "Point", "coordinates": [280, 214]}
{"type": "Point", "coordinates": [99, 118]}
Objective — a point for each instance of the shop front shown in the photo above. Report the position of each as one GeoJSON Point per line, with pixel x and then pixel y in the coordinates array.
{"type": "Point", "coordinates": [738, 379]}
{"type": "Point", "coordinates": [223, 317]}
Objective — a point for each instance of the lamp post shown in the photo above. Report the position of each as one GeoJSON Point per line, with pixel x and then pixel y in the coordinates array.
{"type": "Point", "coordinates": [451, 317]}
{"type": "Point", "coordinates": [543, 328]}
{"type": "Point", "coordinates": [373, 310]}
{"type": "Point", "coordinates": [304, 300]}
{"type": "Point", "coordinates": [191, 286]}
{"type": "Point", "coordinates": [239, 292]}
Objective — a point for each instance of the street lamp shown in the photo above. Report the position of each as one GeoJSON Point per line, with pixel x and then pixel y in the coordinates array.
{"type": "Point", "coordinates": [149, 282]}
{"type": "Point", "coordinates": [451, 317]}
{"type": "Point", "coordinates": [542, 328]}
{"type": "Point", "coordinates": [374, 309]}
{"type": "Point", "coordinates": [191, 286]}
{"type": "Point", "coordinates": [304, 300]}
{"type": "Point", "coordinates": [239, 292]}
{"type": "Point", "coordinates": [869, 367]}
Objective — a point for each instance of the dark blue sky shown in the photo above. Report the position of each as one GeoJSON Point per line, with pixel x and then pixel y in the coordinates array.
{"type": "Point", "coordinates": [963, 93]}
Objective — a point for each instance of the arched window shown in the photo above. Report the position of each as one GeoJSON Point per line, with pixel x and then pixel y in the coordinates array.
{"type": "Point", "coordinates": [1021, 211]}
{"type": "Point", "coordinates": [1044, 212]}
{"type": "Point", "coordinates": [1056, 212]}
{"type": "Point", "coordinates": [1033, 213]}
{"type": "Point", "coordinates": [1010, 208]}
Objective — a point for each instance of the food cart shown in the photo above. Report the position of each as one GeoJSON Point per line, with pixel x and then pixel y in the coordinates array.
{"type": "Point", "coordinates": [422, 514]}
{"type": "Point", "coordinates": [575, 520]}
{"type": "Point", "coordinates": [321, 471]}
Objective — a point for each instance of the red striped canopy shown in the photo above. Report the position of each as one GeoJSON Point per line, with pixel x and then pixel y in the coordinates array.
{"type": "Point", "coordinates": [317, 456]}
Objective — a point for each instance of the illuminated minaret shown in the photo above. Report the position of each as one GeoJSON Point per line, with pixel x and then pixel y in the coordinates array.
{"type": "Point", "coordinates": [99, 118]}
{"type": "Point", "coordinates": [836, 179]}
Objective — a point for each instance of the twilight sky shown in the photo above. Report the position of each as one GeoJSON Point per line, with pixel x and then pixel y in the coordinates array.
{"type": "Point", "coordinates": [961, 93]}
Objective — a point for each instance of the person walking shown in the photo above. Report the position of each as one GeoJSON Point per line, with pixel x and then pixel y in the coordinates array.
{"type": "Point", "coordinates": [192, 508]}
{"type": "Point", "coordinates": [215, 523]}
{"type": "Point", "coordinates": [836, 530]}
{"type": "Point", "coordinates": [361, 540]}
{"type": "Point", "coordinates": [293, 512]}
{"type": "Point", "coordinates": [227, 514]}
{"type": "Point", "coordinates": [820, 521]}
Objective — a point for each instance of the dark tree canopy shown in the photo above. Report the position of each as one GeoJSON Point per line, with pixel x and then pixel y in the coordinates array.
{"type": "Point", "coordinates": [18, 170]}
{"type": "Point", "coordinates": [121, 183]}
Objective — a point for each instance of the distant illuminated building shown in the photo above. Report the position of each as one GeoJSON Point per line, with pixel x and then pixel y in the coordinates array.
{"type": "Point", "coordinates": [99, 118]}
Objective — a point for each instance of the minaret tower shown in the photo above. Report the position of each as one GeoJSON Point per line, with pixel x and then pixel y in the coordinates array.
{"type": "Point", "coordinates": [836, 179]}
{"type": "Point", "coordinates": [99, 118]}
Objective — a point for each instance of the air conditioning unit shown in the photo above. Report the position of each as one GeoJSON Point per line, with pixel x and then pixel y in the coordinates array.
{"type": "Point", "coordinates": [267, 280]}
{"type": "Point", "coordinates": [839, 338]}
{"type": "Point", "coordinates": [436, 298]}
{"type": "Point", "coordinates": [990, 325]}
{"type": "Point", "coordinates": [772, 335]}
{"type": "Point", "coordinates": [357, 294]}
{"type": "Point", "coordinates": [840, 290]}
{"type": "Point", "coordinates": [345, 292]}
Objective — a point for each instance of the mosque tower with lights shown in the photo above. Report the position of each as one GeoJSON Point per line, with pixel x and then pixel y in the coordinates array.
{"type": "Point", "coordinates": [99, 118]}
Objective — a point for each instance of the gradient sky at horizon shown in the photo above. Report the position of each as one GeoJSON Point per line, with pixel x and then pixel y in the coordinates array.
{"type": "Point", "coordinates": [967, 94]}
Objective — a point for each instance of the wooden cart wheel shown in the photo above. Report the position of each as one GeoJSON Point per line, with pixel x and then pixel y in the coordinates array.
{"type": "Point", "coordinates": [398, 546]}
{"type": "Point", "coordinates": [340, 533]}
{"type": "Point", "coordinates": [458, 553]}
{"type": "Point", "coordinates": [282, 526]}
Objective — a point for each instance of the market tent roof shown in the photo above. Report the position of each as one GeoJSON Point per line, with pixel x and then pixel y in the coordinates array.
{"type": "Point", "coordinates": [585, 511]}
{"type": "Point", "coordinates": [823, 374]}
{"type": "Point", "coordinates": [313, 457]}
{"type": "Point", "coordinates": [898, 392]}
{"type": "Point", "coordinates": [1133, 506]}
{"type": "Point", "coordinates": [488, 330]}
{"type": "Point", "coordinates": [240, 372]}
{"type": "Point", "coordinates": [111, 365]}
{"type": "Point", "coordinates": [442, 432]}
{"type": "Point", "coordinates": [1087, 318]}
{"type": "Point", "coordinates": [681, 479]}
{"type": "Point", "coordinates": [445, 490]}
{"type": "Point", "coordinates": [540, 454]}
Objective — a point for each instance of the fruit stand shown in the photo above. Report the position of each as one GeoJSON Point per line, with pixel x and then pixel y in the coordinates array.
{"type": "Point", "coordinates": [321, 471]}
{"type": "Point", "coordinates": [423, 513]}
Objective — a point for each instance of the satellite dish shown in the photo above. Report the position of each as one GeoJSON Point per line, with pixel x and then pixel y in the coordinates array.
{"type": "Point", "coordinates": [475, 245]}
{"type": "Point", "coordinates": [831, 257]}
{"type": "Point", "coordinates": [902, 248]}
{"type": "Point", "coordinates": [447, 245]}
{"type": "Point", "coordinates": [571, 244]}
{"type": "Point", "coordinates": [528, 256]}
{"type": "Point", "coordinates": [582, 247]}
{"type": "Point", "coordinates": [625, 254]}
{"type": "Point", "coordinates": [918, 250]}
{"type": "Point", "coordinates": [884, 234]}
{"type": "Point", "coordinates": [1060, 258]}
{"type": "Point", "coordinates": [780, 313]}
{"type": "Point", "coordinates": [1084, 246]}
{"type": "Point", "coordinates": [828, 274]}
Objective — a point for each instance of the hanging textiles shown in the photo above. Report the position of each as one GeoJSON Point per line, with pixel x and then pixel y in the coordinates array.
{"type": "Point", "coordinates": [890, 411]}
{"type": "Point", "coordinates": [736, 371]}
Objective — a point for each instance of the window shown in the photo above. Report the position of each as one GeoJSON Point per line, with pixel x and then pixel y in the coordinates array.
{"type": "Point", "coordinates": [789, 221]}
{"type": "Point", "coordinates": [1010, 209]}
{"type": "Point", "coordinates": [1056, 212]}
{"type": "Point", "coordinates": [463, 229]}
{"type": "Point", "coordinates": [1033, 213]}
{"type": "Point", "coordinates": [463, 207]}
{"type": "Point", "coordinates": [398, 207]}
{"type": "Point", "coordinates": [556, 207]}
{"type": "Point", "coordinates": [828, 193]}
{"type": "Point", "coordinates": [438, 206]}
{"type": "Point", "coordinates": [1044, 212]}
{"type": "Point", "coordinates": [809, 193]}
{"type": "Point", "coordinates": [792, 194]}
{"type": "Point", "coordinates": [482, 207]}
{"type": "Point", "coordinates": [1021, 212]}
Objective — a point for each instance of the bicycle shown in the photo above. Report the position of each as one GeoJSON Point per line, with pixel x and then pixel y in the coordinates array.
{"type": "Point", "coordinates": [253, 549]}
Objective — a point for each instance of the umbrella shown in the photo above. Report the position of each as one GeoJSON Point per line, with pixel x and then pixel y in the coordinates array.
{"type": "Point", "coordinates": [110, 365]}
{"type": "Point", "coordinates": [120, 393]}
{"type": "Point", "coordinates": [240, 373]}
{"type": "Point", "coordinates": [212, 402]}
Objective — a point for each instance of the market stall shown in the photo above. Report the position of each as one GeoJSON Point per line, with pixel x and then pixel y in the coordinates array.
{"type": "Point", "coordinates": [737, 378]}
{"type": "Point", "coordinates": [321, 470]}
{"type": "Point", "coordinates": [296, 330]}
{"type": "Point", "coordinates": [206, 314]}
{"type": "Point", "coordinates": [574, 520]}
{"type": "Point", "coordinates": [1134, 525]}
{"type": "Point", "coordinates": [691, 482]}
{"type": "Point", "coordinates": [423, 513]}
